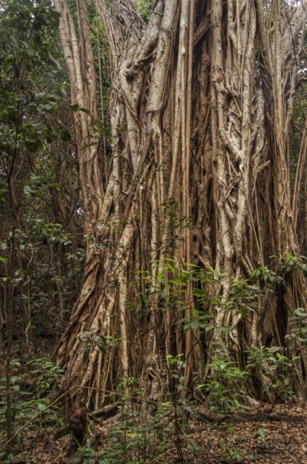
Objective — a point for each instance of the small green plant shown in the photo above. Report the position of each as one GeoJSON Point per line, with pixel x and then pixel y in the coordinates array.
{"type": "Point", "coordinates": [293, 263]}
{"type": "Point", "coordinates": [47, 374]}
{"type": "Point", "coordinates": [127, 443]}
{"type": "Point", "coordinates": [265, 278]}
{"type": "Point", "coordinates": [225, 386]}
{"type": "Point", "coordinates": [141, 437]}
{"type": "Point", "coordinates": [89, 456]}
{"type": "Point", "coordinates": [144, 8]}
{"type": "Point", "coordinates": [29, 393]}
{"type": "Point", "coordinates": [128, 440]}
{"type": "Point", "coordinates": [233, 455]}
{"type": "Point", "coordinates": [262, 441]}
{"type": "Point", "coordinates": [298, 326]}
{"type": "Point", "coordinates": [277, 367]}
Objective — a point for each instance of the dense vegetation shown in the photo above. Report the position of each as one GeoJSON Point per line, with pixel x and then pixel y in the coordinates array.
{"type": "Point", "coordinates": [152, 216]}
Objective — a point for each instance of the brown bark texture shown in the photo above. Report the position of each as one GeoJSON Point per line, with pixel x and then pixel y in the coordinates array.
{"type": "Point", "coordinates": [200, 107]}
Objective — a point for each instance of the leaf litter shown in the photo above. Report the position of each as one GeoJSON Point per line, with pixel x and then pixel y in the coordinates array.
{"type": "Point", "coordinates": [253, 437]}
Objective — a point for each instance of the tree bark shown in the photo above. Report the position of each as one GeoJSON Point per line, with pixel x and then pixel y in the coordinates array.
{"type": "Point", "coordinates": [200, 107]}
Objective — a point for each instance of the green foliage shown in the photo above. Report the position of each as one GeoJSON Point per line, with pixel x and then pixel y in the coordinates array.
{"type": "Point", "coordinates": [233, 455]}
{"type": "Point", "coordinates": [88, 455]}
{"type": "Point", "coordinates": [243, 296]}
{"type": "Point", "coordinates": [29, 389]}
{"type": "Point", "coordinates": [174, 224]}
{"type": "Point", "coordinates": [144, 8]}
{"type": "Point", "coordinates": [26, 34]}
{"type": "Point", "coordinates": [124, 439]}
{"type": "Point", "coordinates": [293, 263]}
{"type": "Point", "coordinates": [298, 326]}
{"type": "Point", "coordinates": [277, 367]}
{"type": "Point", "coordinates": [170, 284]}
{"type": "Point", "coordinates": [38, 185]}
{"type": "Point", "coordinates": [265, 277]}
{"type": "Point", "coordinates": [227, 381]}
{"type": "Point", "coordinates": [105, 343]}
{"type": "Point", "coordinates": [34, 137]}
{"type": "Point", "coordinates": [226, 384]}
{"type": "Point", "coordinates": [262, 441]}
{"type": "Point", "coordinates": [34, 123]}
{"type": "Point", "coordinates": [142, 439]}
{"type": "Point", "coordinates": [225, 387]}
{"type": "Point", "coordinates": [47, 375]}
{"type": "Point", "coordinates": [140, 436]}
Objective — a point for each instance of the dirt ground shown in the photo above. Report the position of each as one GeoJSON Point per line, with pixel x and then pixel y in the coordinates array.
{"type": "Point", "coordinates": [253, 437]}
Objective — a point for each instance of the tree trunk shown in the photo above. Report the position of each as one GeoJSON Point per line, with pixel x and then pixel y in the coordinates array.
{"type": "Point", "coordinates": [200, 108]}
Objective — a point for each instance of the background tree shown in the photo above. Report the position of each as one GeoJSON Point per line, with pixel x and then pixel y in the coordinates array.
{"type": "Point", "coordinates": [40, 230]}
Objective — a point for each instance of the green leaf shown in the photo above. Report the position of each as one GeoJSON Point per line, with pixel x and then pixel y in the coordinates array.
{"type": "Point", "coordinates": [300, 312]}
{"type": "Point", "coordinates": [262, 433]}
{"type": "Point", "coordinates": [41, 406]}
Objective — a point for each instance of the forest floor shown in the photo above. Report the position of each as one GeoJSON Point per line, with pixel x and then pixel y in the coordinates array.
{"type": "Point", "coordinates": [256, 436]}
